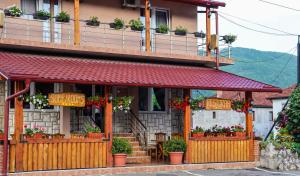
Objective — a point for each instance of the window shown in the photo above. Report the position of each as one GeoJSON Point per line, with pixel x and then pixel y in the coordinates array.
{"type": "Point", "coordinates": [253, 115]}
{"type": "Point", "coordinates": [44, 89]}
{"type": "Point", "coordinates": [214, 115]}
{"type": "Point", "coordinates": [271, 116]}
{"type": "Point", "coordinates": [152, 99]}
{"type": "Point", "coordinates": [28, 6]}
{"type": "Point", "coordinates": [162, 17]}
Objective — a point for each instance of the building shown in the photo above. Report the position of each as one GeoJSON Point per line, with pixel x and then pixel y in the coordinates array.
{"type": "Point", "coordinates": [70, 59]}
{"type": "Point", "coordinates": [262, 113]}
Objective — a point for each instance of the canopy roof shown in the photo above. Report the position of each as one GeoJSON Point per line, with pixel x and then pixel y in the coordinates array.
{"type": "Point", "coordinates": [45, 68]}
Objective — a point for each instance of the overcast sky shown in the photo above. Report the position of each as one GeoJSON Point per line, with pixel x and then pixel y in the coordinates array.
{"type": "Point", "coordinates": [266, 14]}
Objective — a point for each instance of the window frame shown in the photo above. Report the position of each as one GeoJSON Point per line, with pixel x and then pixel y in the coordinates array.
{"type": "Point", "coordinates": [149, 101]}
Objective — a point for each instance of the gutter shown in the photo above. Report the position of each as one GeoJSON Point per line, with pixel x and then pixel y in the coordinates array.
{"type": "Point", "coordinates": [6, 124]}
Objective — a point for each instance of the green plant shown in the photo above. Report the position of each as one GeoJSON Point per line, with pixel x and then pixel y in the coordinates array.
{"type": "Point", "coordinates": [197, 103]}
{"type": "Point", "coordinates": [39, 101]}
{"type": "Point", "coordinates": [163, 29]}
{"type": "Point", "coordinates": [238, 105]}
{"type": "Point", "coordinates": [42, 14]}
{"type": "Point", "coordinates": [174, 145]}
{"type": "Point", "coordinates": [63, 17]}
{"type": "Point", "coordinates": [122, 103]}
{"type": "Point", "coordinates": [93, 21]}
{"type": "Point", "coordinates": [136, 25]}
{"type": "Point", "coordinates": [14, 11]}
{"type": "Point", "coordinates": [293, 113]}
{"type": "Point", "coordinates": [1, 131]}
{"type": "Point", "coordinates": [34, 130]}
{"type": "Point", "coordinates": [198, 130]}
{"type": "Point", "coordinates": [263, 144]}
{"type": "Point", "coordinates": [121, 146]}
{"type": "Point", "coordinates": [229, 39]}
{"type": "Point", "coordinates": [88, 128]}
{"type": "Point", "coordinates": [237, 128]}
{"type": "Point", "coordinates": [118, 23]}
{"type": "Point", "coordinates": [180, 30]}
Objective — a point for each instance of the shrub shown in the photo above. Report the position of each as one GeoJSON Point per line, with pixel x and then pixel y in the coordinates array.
{"type": "Point", "coordinates": [63, 17]}
{"type": "Point", "coordinates": [174, 145]}
{"type": "Point", "coordinates": [136, 25]}
{"type": "Point", "coordinates": [163, 29]}
{"type": "Point", "coordinates": [88, 128]}
{"type": "Point", "coordinates": [293, 113]}
{"type": "Point", "coordinates": [121, 146]}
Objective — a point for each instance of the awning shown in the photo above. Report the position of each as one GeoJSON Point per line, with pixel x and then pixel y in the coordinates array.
{"type": "Point", "coordinates": [44, 68]}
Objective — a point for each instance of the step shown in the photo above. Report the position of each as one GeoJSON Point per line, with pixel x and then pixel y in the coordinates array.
{"type": "Point", "coordinates": [137, 148]}
{"type": "Point", "coordinates": [130, 139]}
{"type": "Point", "coordinates": [138, 153]}
{"type": "Point", "coordinates": [138, 159]}
{"type": "Point", "coordinates": [123, 135]}
{"type": "Point", "coordinates": [134, 143]}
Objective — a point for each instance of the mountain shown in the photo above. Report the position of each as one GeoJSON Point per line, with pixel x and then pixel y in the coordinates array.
{"type": "Point", "coordinates": [275, 68]}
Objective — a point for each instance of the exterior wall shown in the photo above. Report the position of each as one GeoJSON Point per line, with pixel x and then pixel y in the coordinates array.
{"type": "Point", "coordinates": [261, 124]}
{"type": "Point", "coordinates": [6, 3]}
{"type": "Point", "coordinates": [278, 104]}
{"type": "Point", "coordinates": [2, 102]}
{"type": "Point", "coordinates": [1, 154]}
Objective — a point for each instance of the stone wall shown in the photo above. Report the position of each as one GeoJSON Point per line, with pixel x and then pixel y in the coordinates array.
{"type": "Point", "coordinates": [256, 150]}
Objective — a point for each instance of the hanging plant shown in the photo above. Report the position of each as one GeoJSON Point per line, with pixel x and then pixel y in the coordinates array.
{"type": "Point", "coordinates": [238, 105]}
{"type": "Point", "coordinates": [41, 15]}
{"type": "Point", "coordinates": [63, 17]}
{"type": "Point", "coordinates": [136, 25]}
{"type": "Point", "coordinates": [97, 101]}
{"type": "Point", "coordinates": [39, 100]}
{"type": "Point", "coordinates": [122, 104]}
{"type": "Point", "coordinates": [178, 104]}
{"type": "Point", "coordinates": [13, 11]}
{"type": "Point", "coordinates": [93, 21]}
{"type": "Point", "coordinates": [229, 39]}
{"type": "Point", "coordinates": [162, 29]}
{"type": "Point", "coordinates": [117, 24]}
{"type": "Point", "coordinates": [180, 31]}
{"type": "Point", "coordinates": [198, 103]}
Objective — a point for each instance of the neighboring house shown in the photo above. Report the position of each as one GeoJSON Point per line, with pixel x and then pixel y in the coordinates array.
{"type": "Point", "coordinates": [46, 57]}
{"type": "Point", "coordinates": [262, 113]}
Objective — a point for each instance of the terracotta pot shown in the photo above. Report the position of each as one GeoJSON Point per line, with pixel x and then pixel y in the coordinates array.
{"type": "Point", "coordinates": [95, 135]}
{"type": "Point", "coordinates": [120, 160]}
{"type": "Point", "coordinates": [176, 157]}
{"type": "Point", "coordinates": [197, 135]}
{"type": "Point", "coordinates": [1, 136]}
{"type": "Point", "coordinates": [240, 134]}
{"type": "Point", "coordinates": [38, 136]}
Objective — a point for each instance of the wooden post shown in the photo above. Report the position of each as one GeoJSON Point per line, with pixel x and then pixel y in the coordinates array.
{"type": "Point", "coordinates": [18, 126]}
{"type": "Point", "coordinates": [208, 31]}
{"type": "Point", "coordinates": [148, 23]}
{"type": "Point", "coordinates": [187, 124]}
{"type": "Point", "coordinates": [108, 123]}
{"type": "Point", "coordinates": [51, 21]}
{"type": "Point", "coordinates": [76, 23]}
{"type": "Point", "coordinates": [249, 122]}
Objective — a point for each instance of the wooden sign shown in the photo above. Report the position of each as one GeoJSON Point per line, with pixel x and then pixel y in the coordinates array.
{"type": "Point", "coordinates": [67, 99]}
{"type": "Point", "coordinates": [217, 104]}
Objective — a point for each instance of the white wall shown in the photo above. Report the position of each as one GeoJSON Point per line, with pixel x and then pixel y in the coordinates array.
{"type": "Point", "coordinates": [262, 122]}
{"type": "Point", "coordinates": [278, 104]}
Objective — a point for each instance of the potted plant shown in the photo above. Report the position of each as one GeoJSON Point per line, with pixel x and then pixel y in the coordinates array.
{"type": "Point", "coordinates": [229, 39]}
{"type": "Point", "coordinates": [57, 136]}
{"type": "Point", "coordinates": [63, 17]}
{"type": "Point", "coordinates": [218, 131]}
{"type": "Point", "coordinates": [175, 149]}
{"type": "Point", "coordinates": [162, 29]}
{"type": "Point", "coordinates": [117, 24]}
{"type": "Point", "coordinates": [178, 104]}
{"type": "Point", "coordinates": [200, 34]}
{"type": "Point", "coordinates": [122, 104]}
{"type": "Point", "coordinates": [34, 133]}
{"type": "Point", "coordinates": [1, 135]}
{"type": "Point", "coordinates": [13, 12]}
{"type": "Point", "coordinates": [238, 105]}
{"type": "Point", "coordinates": [120, 149]}
{"type": "Point", "coordinates": [136, 25]}
{"type": "Point", "coordinates": [41, 15]}
{"type": "Point", "coordinates": [39, 101]}
{"type": "Point", "coordinates": [180, 31]}
{"type": "Point", "coordinates": [92, 131]}
{"type": "Point", "coordinates": [93, 21]}
{"type": "Point", "coordinates": [209, 134]}
{"type": "Point", "coordinates": [198, 132]}
{"type": "Point", "coordinates": [238, 131]}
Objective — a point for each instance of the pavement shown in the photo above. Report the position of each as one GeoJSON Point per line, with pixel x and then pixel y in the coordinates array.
{"type": "Point", "coordinates": [212, 172]}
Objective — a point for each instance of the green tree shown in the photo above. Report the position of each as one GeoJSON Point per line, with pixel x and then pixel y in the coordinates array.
{"type": "Point", "coordinates": [293, 114]}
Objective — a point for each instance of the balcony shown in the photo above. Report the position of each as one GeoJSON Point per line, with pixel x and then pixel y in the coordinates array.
{"type": "Point", "coordinates": [104, 40]}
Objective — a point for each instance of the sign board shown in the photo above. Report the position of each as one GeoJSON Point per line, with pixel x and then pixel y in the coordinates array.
{"type": "Point", "coordinates": [67, 99]}
{"type": "Point", "coordinates": [217, 104]}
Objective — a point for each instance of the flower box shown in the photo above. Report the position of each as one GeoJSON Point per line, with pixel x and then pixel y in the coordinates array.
{"type": "Point", "coordinates": [57, 136]}
{"type": "Point", "coordinates": [38, 136]}
{"type": "Point", "coordinates": [239, 134]}
{"type": "Point", "coordinates": [197, 135]}
{"type": "Point", "coordinates": [95, 135]}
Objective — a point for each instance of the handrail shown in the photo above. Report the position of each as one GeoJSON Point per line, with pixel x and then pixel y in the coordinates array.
{"type": "Point", "coordinates": [140, 122]}
{"type": "Point", "coordinates": [138, 129]}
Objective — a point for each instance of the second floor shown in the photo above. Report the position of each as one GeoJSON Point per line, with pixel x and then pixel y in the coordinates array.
{"type": "Point", "coordinates": [107, 26]}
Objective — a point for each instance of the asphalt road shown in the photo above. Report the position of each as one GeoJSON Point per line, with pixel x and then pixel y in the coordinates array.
{"type": "Point", "coordinates": [248, 172]}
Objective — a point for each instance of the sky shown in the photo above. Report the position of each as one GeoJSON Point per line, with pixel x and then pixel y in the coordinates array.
{"type": "Point", "coordinates": [262, 13]}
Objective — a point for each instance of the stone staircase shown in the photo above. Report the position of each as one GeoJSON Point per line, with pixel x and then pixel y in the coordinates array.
{"type": "Point", "coordinates": [139, 155]}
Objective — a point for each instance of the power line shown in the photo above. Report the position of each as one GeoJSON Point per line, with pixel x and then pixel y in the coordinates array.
{"type": "Point", "coordinates": [255, 30]}
{"type": "Point", "coordinates": [279, 5]}
{"type": "Point", "coordinates": [258, 24]}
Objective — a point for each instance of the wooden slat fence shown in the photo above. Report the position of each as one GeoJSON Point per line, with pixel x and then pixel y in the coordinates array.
{"type": "Point", "coordinates": [214, 151]}
{"type": "Point", "coordinates": [52, 155]}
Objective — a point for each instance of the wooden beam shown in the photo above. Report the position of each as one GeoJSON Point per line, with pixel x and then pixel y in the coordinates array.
{"type": "Point", "coordinates": [18, 126]}
{"type": "Point", "coordinates": [187, 124]}
{"type": "Point", "coordinates": [51, 21]}
{"type": "Point", "coordinates": [249, 118]}
{"type": "Point", "coordinates": [76, 23]}
{"type": "Point", "coordinates": [108, 113]}
{"type": "Point", "coordinates": [148, 23]}
{"type": "Point", "coordinates": [208, 31]}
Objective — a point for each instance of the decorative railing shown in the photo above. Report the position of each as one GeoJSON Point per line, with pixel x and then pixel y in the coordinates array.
{"type": "Point", "coordinates": [100, 36]}
{"type": "Point", "coordinates": [138, 129]}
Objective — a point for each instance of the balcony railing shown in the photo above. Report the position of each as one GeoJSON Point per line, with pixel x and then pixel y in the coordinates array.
{"type": "Point", "coordinates": [100, 36]}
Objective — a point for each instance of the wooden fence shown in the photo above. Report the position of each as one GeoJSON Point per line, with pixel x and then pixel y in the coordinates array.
{"type": "Point", "coordinates": [57, 154]}
{"type": "Point", "coordinates": [226, 150]}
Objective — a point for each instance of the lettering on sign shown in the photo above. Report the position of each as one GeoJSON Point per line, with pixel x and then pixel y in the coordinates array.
{"type": "Point", "coordinates": [67, 99]}
{"type": "Point", "coordinates": [217, 104]}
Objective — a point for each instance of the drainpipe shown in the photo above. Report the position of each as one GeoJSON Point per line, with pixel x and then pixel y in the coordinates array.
{"type": "Point", "coordinates": [6, 121]}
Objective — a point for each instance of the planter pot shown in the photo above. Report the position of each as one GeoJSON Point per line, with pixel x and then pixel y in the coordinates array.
{"type": "Point", "coordinates": [221, 134]}
{"type": "Point", "coordinates": [113, 25]}
{"type": "Point", "coordinates": [180, 33]}
{"type": "Point", "coordinates": [90, 23]}
{"type": "Point", "coordinates": [120, 160]}
{"type": "Point", "coordinates": [41, 17]}
{"type": "Point", "coordinates": [1, 136]}
{"type": "Point", "coordinates": [199, 35]}
{"type": "Point", "coordinates": [38, 136]}
{"type": "Point", "coordinates": [159, 32]}
{"type": "Point", "coordinates": [240, 134]}
{"type": "Point", "coordinates": [136, 29]}
{"type": "Point", "coordinates": [95, 135]}
{"type": "Point", "coordinates": [197, 135]}
{"type": "Point", "coordinates": [26, 136]}
{"type": "Point", "coordinates": [58, 136]}
{"type": "Point", "coordinates": [61, 21]}
{"type": "Point", "coordinates": [176, 158]}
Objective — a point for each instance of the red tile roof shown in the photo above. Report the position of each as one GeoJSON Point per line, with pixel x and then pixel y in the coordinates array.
{"type": "Point", "coordinates": [285, 93]}
{"type": "Point", "coordinates": [91, 71]}
{"type": "Point", "coordinates": [259, 99]}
